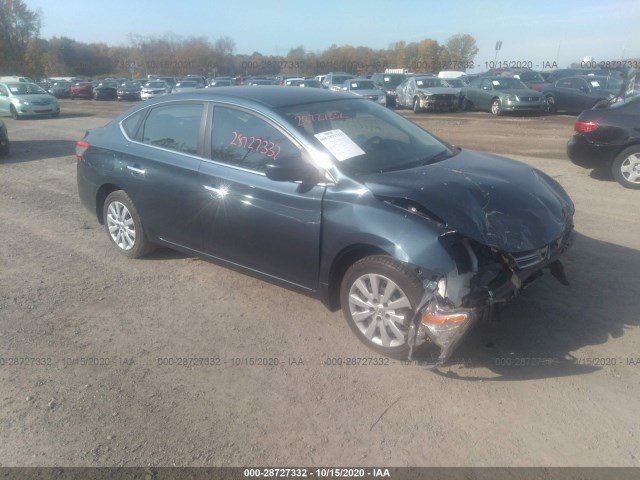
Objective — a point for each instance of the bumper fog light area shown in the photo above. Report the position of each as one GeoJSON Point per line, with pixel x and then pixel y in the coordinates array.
{"type": "Point", "coordinates": [446, 327]}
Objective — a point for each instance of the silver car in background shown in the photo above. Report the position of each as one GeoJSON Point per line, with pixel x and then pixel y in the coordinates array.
{"type": "Point", "coordinates": [154, 88]}
{"type": "Point", "coordinates": [363, 87]}
{"type": "Point", "coordinates": [427, 93]}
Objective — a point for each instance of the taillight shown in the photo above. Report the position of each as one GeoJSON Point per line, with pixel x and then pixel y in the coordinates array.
{"type": "Point", "coordinates": [582, 127]}
{"type": "Point", "coordinates": [81, 147]}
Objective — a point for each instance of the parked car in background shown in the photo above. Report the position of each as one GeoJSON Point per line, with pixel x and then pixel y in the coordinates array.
{"type": "Point", "coordinates": [501, 94]}
{"type": "Point", "coordinates": [154, 88]}
{"type": "Point", "coordinates": [531, 79]}
{"type": "Point", "coordinates": [129, 91]}
{"type": "Point", "coordinates": [195, 78]}
{"type": "Point", "coordinates": [608, 138]}
{"type": "Point", "coordinates": [260, 81]}
{"type": "Point", "coordinates": [4, 139]}
{"type": "Point", "coordinates": [332, 195]}
{"type": "Point", "coordinates": [334, 80]}
{"type": "Point", "coordinates": [221, 82]}
{"type": "Point", "coordinates": [575, 94]}
{"type": "Point", "coordinates": [293, 81]}
{"type": "Point", "coordinates": [81, 90]}
{"type": "Point", "coordinates": [389, 82]}
{"type": "Point", "coordinates": [424, 93]}
{"type": "Point", "coordinates": [556, 75]}
{"type": "Point", "coordinates": [60, 89]}
{"type": "Point", "coordinates": [310, 83]}
{"type": "Point", "coordinates": [22, 99]}
{"type": "Point", "coordinates": [107, 90]}
{"type": "Point", "coordinates": [186, 86]}
{"type": "Point", "coordinates": [364, 87]}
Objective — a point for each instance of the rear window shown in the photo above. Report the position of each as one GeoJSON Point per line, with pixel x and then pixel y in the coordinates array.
{"type": "Point", "coordinates": [175, 127]}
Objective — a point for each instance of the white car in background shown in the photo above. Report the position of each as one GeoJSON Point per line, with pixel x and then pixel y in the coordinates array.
{"type": "Point", "coordinates": [154, 88]}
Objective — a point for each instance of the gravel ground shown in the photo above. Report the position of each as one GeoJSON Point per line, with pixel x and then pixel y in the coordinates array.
{"type": "Point", "coordinates": [555, 383]}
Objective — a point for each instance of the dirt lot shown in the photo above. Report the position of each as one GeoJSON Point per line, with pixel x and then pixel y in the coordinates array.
{"type": "Point", "coordinates": [556, 383]}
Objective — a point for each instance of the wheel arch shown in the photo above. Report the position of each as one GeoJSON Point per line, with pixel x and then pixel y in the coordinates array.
{"type": "Point", "coordinates": [341, 263]}
{"type": "Point", "coordinates": [101, 195]}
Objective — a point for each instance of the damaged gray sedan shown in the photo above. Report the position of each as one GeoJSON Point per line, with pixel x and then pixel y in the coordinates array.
{"type": "Point", "coordinates": [334, 196]}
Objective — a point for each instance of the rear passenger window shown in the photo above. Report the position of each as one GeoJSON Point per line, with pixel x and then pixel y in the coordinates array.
{"type": "Point", "coordinates": [242, 139]}
{"type": "Point", "coordinates": [176, 127]}
{"type": "Point", "coordinates": [131, 124]}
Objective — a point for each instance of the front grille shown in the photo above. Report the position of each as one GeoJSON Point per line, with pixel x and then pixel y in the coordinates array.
{"type": "Point", "coordinates": [533, 257]}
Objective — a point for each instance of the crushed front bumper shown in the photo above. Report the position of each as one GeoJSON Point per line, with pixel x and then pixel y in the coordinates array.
{"type": "Point", "coordinates": [452, 305]}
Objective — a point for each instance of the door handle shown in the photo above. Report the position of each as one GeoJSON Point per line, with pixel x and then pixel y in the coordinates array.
{"type": "Point", "coordinates": [139, 171]}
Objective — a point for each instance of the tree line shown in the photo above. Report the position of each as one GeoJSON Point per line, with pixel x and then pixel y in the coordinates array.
{"type": "Point", "coordinates": [23, 52]}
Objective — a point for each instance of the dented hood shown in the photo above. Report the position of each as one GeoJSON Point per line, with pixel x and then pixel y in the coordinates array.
{"type": "Point", "coordinates": [496, 201]}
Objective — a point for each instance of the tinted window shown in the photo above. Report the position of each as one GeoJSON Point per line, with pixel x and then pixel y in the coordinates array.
{"type": "Point", "coordinates": [175, 127]}
{"type": "Point", "coordinates": [131, 124]}
{"type": "Point", "coordinates": [244, 140]}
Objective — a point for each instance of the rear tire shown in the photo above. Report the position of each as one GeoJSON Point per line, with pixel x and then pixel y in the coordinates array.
{"type": "Point", "coordinates": [124, 226]}
{"type": "Point", "coordinates": [626, 167]}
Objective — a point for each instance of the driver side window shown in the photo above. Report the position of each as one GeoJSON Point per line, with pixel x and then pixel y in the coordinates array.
{"type": "Point", "coordinates": [244, 140]}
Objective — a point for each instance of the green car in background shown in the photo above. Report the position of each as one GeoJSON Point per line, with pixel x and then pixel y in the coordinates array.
{"type": "Point", "coordinates": [21, 99]}
{"type": "Point", "coordinates": [501, 94]}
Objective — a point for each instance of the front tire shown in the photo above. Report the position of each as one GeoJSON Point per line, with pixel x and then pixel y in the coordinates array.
{"type": "Point", "coordinates": [466, 105]}
{"type": "Point", "coordinates": [551, 106]}
{"type": "Point", "coordinates": [416, 105]}
{"type": "Point", "coordinates": [14, 113]}
{"type": "Point", "coordinates": [496, 107]}
{"type": "Point", "coordinates": [626, 167]}
{"type": "Point", "coordinates": [379, 295]}
{"type": "Point", "coordinates": [124, 226]}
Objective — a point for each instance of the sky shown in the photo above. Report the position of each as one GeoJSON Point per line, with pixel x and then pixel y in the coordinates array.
{"type": "Point", "coordinates": [561, 31]}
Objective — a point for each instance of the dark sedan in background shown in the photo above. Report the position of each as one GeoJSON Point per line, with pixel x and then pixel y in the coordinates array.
{"type": "Point", "coordinates": [106, 91]}
{"type": "Point", "coordinates": [129, 90]}
{"type": "Point", "coordinates": [575, 94]}
{"type": "Point", "coordinates": [331, 195]}
{"type": "Point", "coordinates": [60, 89]}
{"type": "Point", "coordinates": [501, 94]}
{"type": "Point", "coordinates": [608, 138]}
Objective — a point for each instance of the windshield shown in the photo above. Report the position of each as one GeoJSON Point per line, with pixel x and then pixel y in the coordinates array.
{"type": "Point", "coordinates": [339, 79]}
{"type": "Point", "coordinates": [108, 84]}
{"type": "Point", "coordinates": [454, 82]}
{"type": "Point", "coordinates": [530, 77]}
{"type": "Point", "coordinates": [506, 83]}
{"type": "Point", "coordinates": [360, 85]}
{"type": "Point", "coordinates": [130, 85]}
{"type": "Point", "coordinates": [610, 84]}
{"type": "Point", "coordinates": [430, 82]}
{"type": "Point", "coordinates": [24, 88]}
{"type": "Point", "coordinates": [186, 84]}
{"type": "Point", "coordinates": [363, 137]}
{"type": "Point", "coordinates": [393, 79]}
{"type": "Point", "coordinates": [155, 84]}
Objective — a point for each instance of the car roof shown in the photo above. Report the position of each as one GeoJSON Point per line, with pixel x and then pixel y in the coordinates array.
{"type": "Point", "coordinates": [271, 96]}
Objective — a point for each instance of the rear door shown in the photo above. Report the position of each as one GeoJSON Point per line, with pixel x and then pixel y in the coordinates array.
{"type": "Point", "coordinates": [252, 221]}
{"type": "Point", "coordinates": [160, 169]}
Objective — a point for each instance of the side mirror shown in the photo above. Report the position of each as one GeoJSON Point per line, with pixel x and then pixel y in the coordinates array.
{"type": "Point", "coordinates": [292, 169]}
